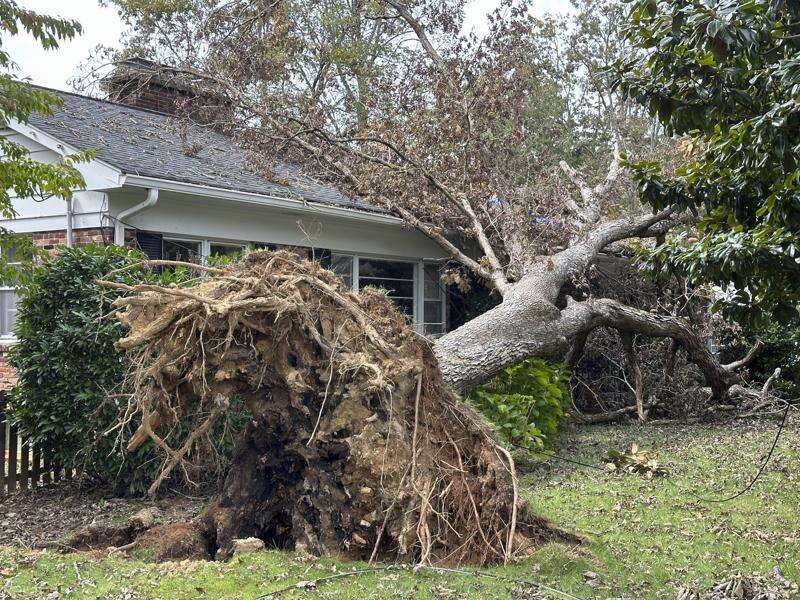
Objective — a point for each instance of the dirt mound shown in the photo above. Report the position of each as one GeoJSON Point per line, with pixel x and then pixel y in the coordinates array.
{"type": "Point", "coordinates": [175, 541]}
{"type": "Point", "coordinates": [355, 446]}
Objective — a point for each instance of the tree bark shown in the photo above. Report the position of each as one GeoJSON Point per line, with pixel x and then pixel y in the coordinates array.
{"type": "Point", "coordinates": [526, 325]}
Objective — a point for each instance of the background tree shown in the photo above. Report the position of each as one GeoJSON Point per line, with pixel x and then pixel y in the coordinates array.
{"type": "Point", "coordinates": [21, 176]}
{"type": "Point", "coordinates": [726, 75]}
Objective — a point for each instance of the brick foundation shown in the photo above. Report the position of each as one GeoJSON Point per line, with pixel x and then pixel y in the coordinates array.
{"type": "Point", "coordinates": [8, 378]}
{"type": "Point", "coordinates": [51, 240]}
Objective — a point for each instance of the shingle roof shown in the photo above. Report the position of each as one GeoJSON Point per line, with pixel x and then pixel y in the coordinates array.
{"type": "Point", "coordinates": [150, 144]}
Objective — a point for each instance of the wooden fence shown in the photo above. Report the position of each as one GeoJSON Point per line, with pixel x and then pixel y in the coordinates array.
{"type": "Point", "coordinates": [22, 465]}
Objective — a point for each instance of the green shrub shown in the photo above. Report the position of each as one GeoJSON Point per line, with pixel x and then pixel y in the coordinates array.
{"type": "Point", "coordinates": [69, 393]}
{"type": "Point", "coordinates": [526, 402]}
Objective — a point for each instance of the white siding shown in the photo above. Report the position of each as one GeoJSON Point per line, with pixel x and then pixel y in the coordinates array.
{"type": "Point", "coordinates": [208, 218]}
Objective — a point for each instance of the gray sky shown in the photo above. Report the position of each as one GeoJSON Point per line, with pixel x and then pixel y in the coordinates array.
{"type": "Point", "coordinates": [102, 26]}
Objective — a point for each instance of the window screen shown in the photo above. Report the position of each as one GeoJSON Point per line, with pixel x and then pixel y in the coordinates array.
{"type": "Point", "coordinates": [341, 264]}
{"type": "Point", "coordinates": [182, 250]}
{"type": "Point", "coordinates": [397, 278]}
{"type": "Point", "coordinates": [433, 303]}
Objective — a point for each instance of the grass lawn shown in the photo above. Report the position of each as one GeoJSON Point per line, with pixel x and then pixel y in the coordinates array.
{"type": "Point", "coordinates": [646, 539]}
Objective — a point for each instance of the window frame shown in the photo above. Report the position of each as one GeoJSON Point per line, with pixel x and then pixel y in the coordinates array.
{"type": "Point", "coordinates": [418, 316]}
{"type": "Point", "coordinates": [10, 336]}
{"type": "Point", "coordinates": [442, 299]}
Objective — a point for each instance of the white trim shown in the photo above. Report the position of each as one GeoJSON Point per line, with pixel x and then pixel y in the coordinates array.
{"type": "Point", "coordinates": [87, 220]}
{"type": "Point", "coordinates": [298, 205]}
{"type": "Point", "coordinates": [63, 149]}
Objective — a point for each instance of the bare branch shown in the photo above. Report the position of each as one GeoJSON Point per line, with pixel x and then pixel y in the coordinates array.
{"type": "Point", "coordinates": [419, 31]}
{"type": "Point", "coordinates": [592, 196]}
{"type": "Point", "coordinates": [625, 318]}
{"type": "Point", "coordinates": [440, 239]}
{"type": "Point", "coordinates": [747, 359]}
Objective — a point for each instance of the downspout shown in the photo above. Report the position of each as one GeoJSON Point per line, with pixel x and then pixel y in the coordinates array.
{"type": "Point", "coordinates": [70, 216]}
{"type": "Point", "coordinates": [119, 225]}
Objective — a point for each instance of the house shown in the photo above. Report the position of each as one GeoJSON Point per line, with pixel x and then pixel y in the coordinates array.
{"type": "Point", "coordinates": [183, 191]}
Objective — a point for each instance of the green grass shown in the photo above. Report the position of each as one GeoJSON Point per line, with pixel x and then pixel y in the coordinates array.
{"type": "Point", "coordinates": [646, 539]}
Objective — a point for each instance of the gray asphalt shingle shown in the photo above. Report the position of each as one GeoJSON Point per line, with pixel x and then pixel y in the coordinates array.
{"type": "Point", "coordinates": [150, 144]}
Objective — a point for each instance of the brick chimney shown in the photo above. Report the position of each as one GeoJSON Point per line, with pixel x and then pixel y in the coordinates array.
{"type": "Point", "coordinates": [147, 84]}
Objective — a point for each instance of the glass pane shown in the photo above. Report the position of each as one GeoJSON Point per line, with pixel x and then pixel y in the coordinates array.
{"type": "Point", "coordinates": [263, 246]}
{"type": "Point", "coordinates": [406, 306]}
{"type": "Point", "coordinates": [8, 306]}
{"type": "Point", "coordinates": [385, 269]}
{"type": "Point", "coordinates": [432, 283]}
{"type": "Point", "coordinates": [11, 312]}
{"type": "Point", "coordinates": [225, 249]}
{"type": "Point", "coordinates": [433, 311]}
{"type": "Point", "coordinates": [403, 289]}
{"type": "Point", "coordinates": [182, 250]}
{"type": "Point", "coordinates": [433, 329]}
{"type": "Point", "coordinates": [342, 265]}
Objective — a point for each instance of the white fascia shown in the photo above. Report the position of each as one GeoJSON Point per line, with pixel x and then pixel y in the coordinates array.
{"type": "Point", "coordinates": [261, 200]}
{"type": "Point", "coordinates": [110, 176]}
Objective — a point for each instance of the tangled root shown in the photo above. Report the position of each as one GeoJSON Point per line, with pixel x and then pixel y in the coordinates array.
{"type": "Point", "coordinates": [354, 445]}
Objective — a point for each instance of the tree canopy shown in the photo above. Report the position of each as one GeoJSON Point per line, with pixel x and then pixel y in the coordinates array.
{"type": "Point", "coordinates": [726, 76]}
{"type": "Point", "coordinates": [20, 175]}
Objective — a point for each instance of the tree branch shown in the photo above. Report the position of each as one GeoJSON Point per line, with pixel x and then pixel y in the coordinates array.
{"type": "Point", "coordinates": [633, 365]}
{"type": "Point", "coordinates": [592, 196]}
{"type": "Point", "coordinates": [440, 239]}
{"type": "Point", "coordinates": [610, 313]}
{"type": "Point", "coordinates": [747, 359]}
{"type": "Point", "coordinates": [419, 31]}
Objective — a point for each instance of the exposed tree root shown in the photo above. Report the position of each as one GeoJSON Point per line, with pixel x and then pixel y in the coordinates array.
{"type": "Point", "coordinates": [354, 447]}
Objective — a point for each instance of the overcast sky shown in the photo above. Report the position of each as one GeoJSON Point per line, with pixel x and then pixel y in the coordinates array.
{"type": "Point", "coordinates": [102, 26]}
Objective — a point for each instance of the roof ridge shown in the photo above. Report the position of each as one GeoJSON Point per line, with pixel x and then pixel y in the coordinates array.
{"type": "Point", "coordinates": [105, 101]}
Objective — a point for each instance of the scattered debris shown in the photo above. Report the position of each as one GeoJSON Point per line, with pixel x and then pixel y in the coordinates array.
{"type": "Point", "coordinates": [247, 546]}
{"type": "Point", "coordinates": [750, 587]}
{"type": "Point", "coordinates": [46, 516]}
{"type": "Point", "coordinates": [638, 461]}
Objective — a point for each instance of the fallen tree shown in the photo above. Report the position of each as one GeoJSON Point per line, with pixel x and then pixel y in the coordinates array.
{"type": "Point", "coordinates": [356, 445]}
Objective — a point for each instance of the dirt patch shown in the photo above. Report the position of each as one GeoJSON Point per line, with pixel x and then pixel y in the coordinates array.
{"type": "Point", "coordinates": [175, 541]}
{"type": "Point", "coordinates": [48, 516]}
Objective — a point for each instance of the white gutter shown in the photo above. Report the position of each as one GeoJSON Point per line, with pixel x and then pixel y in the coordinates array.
{"type": "Point", "coordinates": [119, 224]}
{"type": "Point", "coordinates": [70, 236]}
{"type": "Point", "coordinates": [296, 205]}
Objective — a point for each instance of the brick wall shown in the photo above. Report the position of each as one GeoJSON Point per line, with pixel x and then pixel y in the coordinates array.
{"type": "Point", "coordinates": [150, 96]}
{"type": "Point", "coordinates": [51, 241]}
{"type": "Point", "coordinates": [8, 379]}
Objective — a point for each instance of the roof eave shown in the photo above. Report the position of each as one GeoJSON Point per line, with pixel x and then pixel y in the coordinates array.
{"type": "Point", "coordinates": [295, 205]}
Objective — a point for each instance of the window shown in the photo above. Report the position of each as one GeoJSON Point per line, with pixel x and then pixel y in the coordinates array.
{"type": "Point", "coordinates": [433, 316]}
{"type": "Point", "coordinates": [225, 249]}
{"type": "Point", "coordinates": [415, 287]}
{"type": "Point", "coordinates": [342, 265]}
{"type": "Point", "coordinates": [8, 300]}
{"type": "Point", "coordinates": [397, 278]}
{"type": "Point", "coordinates": [181, 250]}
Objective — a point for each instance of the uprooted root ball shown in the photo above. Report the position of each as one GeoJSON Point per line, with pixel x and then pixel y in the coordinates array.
{"type": "Point", "coordinates": [354, 447]}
